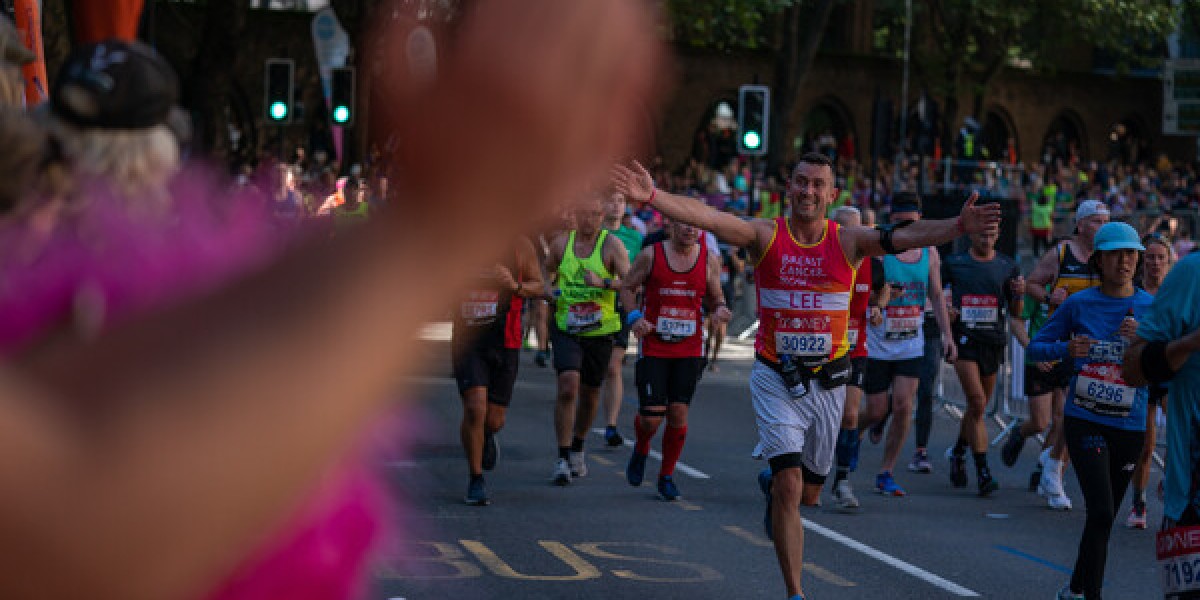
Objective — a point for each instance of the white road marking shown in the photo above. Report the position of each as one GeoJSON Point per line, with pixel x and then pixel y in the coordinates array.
{"type": "Point", "coordinates": [890, 560]}
{"type": "Point", "coordinates": [656, 455]}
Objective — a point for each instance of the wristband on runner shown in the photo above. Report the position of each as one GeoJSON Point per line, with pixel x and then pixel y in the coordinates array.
{"type": "Point", "coordinates": [633, 317]}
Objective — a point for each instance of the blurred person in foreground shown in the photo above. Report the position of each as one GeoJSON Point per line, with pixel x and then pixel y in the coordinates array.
{"type": "Point", "coordinates": [199, 424]}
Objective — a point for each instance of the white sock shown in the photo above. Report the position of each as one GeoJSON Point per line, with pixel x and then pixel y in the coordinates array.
{"type": "Point", "coordinates": [1043, 457]}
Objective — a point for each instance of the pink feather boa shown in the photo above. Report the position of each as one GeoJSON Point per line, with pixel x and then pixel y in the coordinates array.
{"type": "Point", "coordinates": [120, 263]}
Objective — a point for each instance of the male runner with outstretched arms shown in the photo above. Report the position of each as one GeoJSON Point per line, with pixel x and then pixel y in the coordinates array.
{"type": "Point", "coordinates": [804, 279]}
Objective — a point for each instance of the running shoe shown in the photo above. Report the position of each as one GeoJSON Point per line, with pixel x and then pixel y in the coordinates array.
{"type": "Point", "coordinates": [843, 496]}
{"type": "Point", "coordinates": [1012, 446]}
{"type": "Point", "coordinates": [987, 485]}
{"type": "Point", "coordinates": [1066, 594]}
{"type": "Point", "coordinates": [667, 489]}
{"type": "Point", "coordinates": [578, 464]}
{"type": "Point", "coordinates": [490, 451]}
{"type": "Point", "coordinates": [612, 438]}
{"type": "Point", "coordinates": [541, 358]}
{"type": "Point", "coordinates": [477, 492]}
{"type": "Point", "coordinates": [958, 468]}
{"type": "Point", "coordinates": [1051, 487]}
{"type": "Point", "coordinates": [920, 463]}
{"type": "Point", "coordinates": [635, 471]}
{"type": "Point", "coordinates": [764, 484]}
{"type": "Point", "coordinates": [562, 472]}
{"type": "Point", "coordinates": [875, 434]}
{"type": "Point", "coordinates": [1137, 517]}
{"type": "Point", "coordinates": [1034, 479]}
{"type": "Point", "coordinates": [887, 485]}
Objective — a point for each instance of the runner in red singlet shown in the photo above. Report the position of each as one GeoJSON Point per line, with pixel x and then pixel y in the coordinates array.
{"type": "Point", "coordinates": [677, 275]}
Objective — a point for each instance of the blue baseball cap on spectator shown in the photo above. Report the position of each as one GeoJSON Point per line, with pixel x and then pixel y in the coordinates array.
{"type": "Point", "coordinates": [1117, 236]}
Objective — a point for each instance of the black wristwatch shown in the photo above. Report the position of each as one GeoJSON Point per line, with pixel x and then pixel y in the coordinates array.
{"type": "Point", "coordinates": [608, 284]}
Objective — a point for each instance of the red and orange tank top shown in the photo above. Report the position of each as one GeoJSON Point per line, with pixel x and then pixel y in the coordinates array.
{"type": "Point", "coordinates": [803, 297]}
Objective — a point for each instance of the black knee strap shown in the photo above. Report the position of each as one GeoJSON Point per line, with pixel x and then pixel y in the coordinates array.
{"type": "Point", "coordinates": [791, 460]}
{"type": "Point", "coordinates": [652, 411]}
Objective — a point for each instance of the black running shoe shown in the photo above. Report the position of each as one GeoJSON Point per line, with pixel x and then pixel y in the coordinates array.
{"type": "Point", "coordinates": [540, 358]}
{"type": "Point", "coordinates": [489, 451]}
{"type": "Point", "coordinates": [635, 471]}
{"type": "Point", "coordinates": [987, 485]}
{"type": "Point", "coordinates": [1012, 447]}
{"type": "Point", "coordinates": [1035, 479]}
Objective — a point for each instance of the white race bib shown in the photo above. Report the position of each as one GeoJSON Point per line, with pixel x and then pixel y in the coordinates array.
{"type": "Point", "coordinates": [1100, 389]}
{"type": "Point", "coordinates": [675, 328]}
{"type": "Point", "coordinates": [1178, 552]}
{"type": "Point", "coordinates": [980, 309]}
{"type": "Point", "coordinates": [480, 307]}
{"type": "Point", "coordinates": [581, 317]}
{"type": "Point", "coordinates": [803, 344]}
{"type": "Point", "coordinates": [902, 322]}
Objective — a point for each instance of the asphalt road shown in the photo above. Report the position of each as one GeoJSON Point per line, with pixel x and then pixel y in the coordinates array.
{"type": "Point", "coordinates": [600, 538]}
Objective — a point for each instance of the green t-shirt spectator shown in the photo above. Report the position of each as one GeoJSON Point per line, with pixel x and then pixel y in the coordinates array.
{"type": "Point", "coordinates": [630, 238]}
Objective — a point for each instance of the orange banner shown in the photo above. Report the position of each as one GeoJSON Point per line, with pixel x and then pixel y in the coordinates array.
{"type": "Point", "coordinates": [99, 20]}
{"type": "Point", "coordinates": [29, 26]}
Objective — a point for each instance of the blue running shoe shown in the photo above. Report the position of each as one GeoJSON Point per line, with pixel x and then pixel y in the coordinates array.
{"type": "Point", "coordinates": [887, 485]}
{"type": "Point", "coordinates": [635, 471]}
{"type": "Point", "coordinates": [764, 484]}
{"type": "Point", "coordinates": [667, 488]}
{"type": "Point", "coordinates": [612, 437]}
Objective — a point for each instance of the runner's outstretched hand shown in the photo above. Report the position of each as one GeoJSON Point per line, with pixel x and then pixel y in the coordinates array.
{"type": "Point", "coordinates": [633, 181]}
{"type": "Point", "coordinates": [978, 218]}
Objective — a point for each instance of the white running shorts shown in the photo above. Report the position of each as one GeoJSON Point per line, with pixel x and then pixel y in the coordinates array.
{"type": "Point", "coordinates": [807, 426]}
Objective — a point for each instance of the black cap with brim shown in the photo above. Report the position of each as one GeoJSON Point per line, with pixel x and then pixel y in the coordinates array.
{"type": "Point", "coordinates": [115, 85]}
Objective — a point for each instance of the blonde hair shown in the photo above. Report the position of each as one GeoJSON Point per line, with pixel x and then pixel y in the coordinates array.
{"type": "Point", "coordinates": [137, 163]}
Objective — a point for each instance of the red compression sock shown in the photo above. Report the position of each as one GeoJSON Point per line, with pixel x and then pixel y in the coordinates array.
{"type": "Point", "coordinates": [643, 438]}
{"type": "Point", "coordinates": [672, 447]}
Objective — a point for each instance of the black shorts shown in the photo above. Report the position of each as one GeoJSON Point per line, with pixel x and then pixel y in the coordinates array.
{"type": "Point", "coordinates": [1038, 382]}
{"type": "Point", "coordinates": [589, 355]}
{"type": "Point", "coordinates": [880, 373]}
{"type": "Point", "coordinates": [487, 365]}
{"type": "Point", "coordinates": [663, 381]}
{"type": "Point", "coordinates": [987, 356]}
{"type": "Point", "coordinates": [858, 372]}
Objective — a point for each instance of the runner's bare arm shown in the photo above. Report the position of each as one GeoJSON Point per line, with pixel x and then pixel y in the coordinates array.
{"type": "Point", "coordinates": [637, 185]}
{"type": "Point", "coordinates": [938, 300]}
{"type": "Point", "coordinates": [712, 279]}
{"type": "Point", "coordinates": [636, 278]}
{"type": "Point", "coordinates": [530, 277]}
{"type": "Point", "coordinates": [861, 242]}
{"type": "Point", "coordinates": [618, 257]}
{"type": "Point", "coordinates": [1177, 353]}
{"type": "Point", "coordinates": [554, 258]}
{"type": "Point", "coordinates": [1042, 276]}
{"type": "Point", "coordinates": [1019, 329]}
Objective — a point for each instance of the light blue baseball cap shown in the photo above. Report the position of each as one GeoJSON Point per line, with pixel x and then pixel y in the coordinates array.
{"type": "Point", "coordinates": [1116, 235]}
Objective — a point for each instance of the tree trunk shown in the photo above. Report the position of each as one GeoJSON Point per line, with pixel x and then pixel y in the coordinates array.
{"type": "Point", "coordinates": [794, 60]}
{"type": "Point", "coordinates": [217, 59]}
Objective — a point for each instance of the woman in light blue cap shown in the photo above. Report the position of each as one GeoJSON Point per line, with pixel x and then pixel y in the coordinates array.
{"type": "Point", "coordinates": [1105, 417]}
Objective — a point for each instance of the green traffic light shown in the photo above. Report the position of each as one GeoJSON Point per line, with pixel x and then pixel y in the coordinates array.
{"type": "Point", "coordinates": [751, 140]}
{"type": "Point", "coordinates": [341, 114]}
{"type": "Point", "coordinates": [279, 110]}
